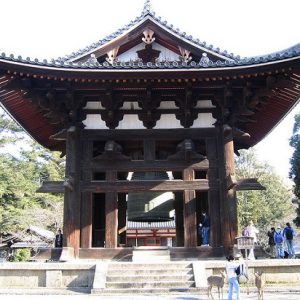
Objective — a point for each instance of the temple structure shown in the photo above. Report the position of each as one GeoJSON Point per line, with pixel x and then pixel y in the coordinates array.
{"type": "Point", "coordinates": [151, 115]}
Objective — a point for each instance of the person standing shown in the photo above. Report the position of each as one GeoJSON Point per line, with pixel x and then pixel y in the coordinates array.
{"type": "Point", "coordinates": [272, 242]}
{"type": "Point", "coordinates": [58, 239]}
{"type": "Point", "coordinates": [288, 234]}
{"type": "Point", "coordinates": [278, 238]}
{"type": "Point", "coordinates": [251, 231]}
{"type": "Point", "coordinates": [233, 282]}
{"type": "Point", "coordinates": [205, 228]}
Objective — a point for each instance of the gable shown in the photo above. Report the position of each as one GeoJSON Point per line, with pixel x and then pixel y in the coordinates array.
{"type": "Point", "coordinates": [132, 54]}
{"type": "Point", "coordinates": [148, 36]}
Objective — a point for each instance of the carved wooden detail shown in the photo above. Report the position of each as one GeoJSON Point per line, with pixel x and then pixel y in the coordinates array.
{"type": "Point", "coordinates": [112, 55]}
{"type": "Point", "coordinates": [148, 54]}
{"type": "Point", "coordinates": [185, 55]}
{"type": "Point", "coordinates": [60, 107]}
{"type": "Point", "coordinates": [112, 115]}
{"type": "Point", "coordinates": [148, 36]}
{"type": "Point", "coordinates": [186, 103]}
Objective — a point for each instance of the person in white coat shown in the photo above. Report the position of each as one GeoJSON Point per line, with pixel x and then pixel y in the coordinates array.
{"type": "Point", "coordinates": [233, 282]}
{"type": "Point", "coordinates": [251, 231]}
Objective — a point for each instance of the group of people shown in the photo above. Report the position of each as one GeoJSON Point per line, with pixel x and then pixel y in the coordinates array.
{"type": "Point", "coordinates": [281, 242]}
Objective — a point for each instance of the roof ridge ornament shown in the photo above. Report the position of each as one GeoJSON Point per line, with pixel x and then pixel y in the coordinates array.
{"type": "Point", "coordinates": [148, 36]}
{"type": "Point", "coordinates": [147, 8]}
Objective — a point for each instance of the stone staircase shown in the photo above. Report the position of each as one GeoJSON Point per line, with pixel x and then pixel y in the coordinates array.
{"type": "Point", "coordinates": [150, 254]}
{"type": "Point", "coordinates": [148, 278]}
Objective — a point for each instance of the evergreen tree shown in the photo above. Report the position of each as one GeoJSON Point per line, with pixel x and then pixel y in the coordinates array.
{"type": "Point", "coordinates": [23, 166]}
{"type": "Point", "coordinates": [267, 207]}
{"type": "Point", "coordinates": [295, 165]}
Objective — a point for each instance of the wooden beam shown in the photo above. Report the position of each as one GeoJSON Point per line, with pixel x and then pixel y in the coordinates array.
{"type": "Point", "coordinates": [160, 134]}
{"type": "Point", "coordinates": [149, 185]}
{"type": "Point", "coordinates": [51, 187]}
{"type": "Point", "coordinates": [249, 184]}
{"type": "Point", "coordinates": [155, 165]}
{"type": "Point", "coordinates": [133, 186]}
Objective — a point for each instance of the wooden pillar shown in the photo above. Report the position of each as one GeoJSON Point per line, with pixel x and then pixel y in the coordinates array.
{"type": "Point", "coordinates": [72, 196]}
{"type": "Point", "coordinates": [190, 215]}
{"type": "Point", "coordinates": [178, 205]}
{"type": "Point", "coordinates": [228, 195]}
{"type": "Point", "coordinates": [122, 207]}
{"type": "Point", "coordinates": [216, 239]}
{"type": "Point", "coordinates": [86, 220]}
{"type": "Point", "coordinates": [87, 197]}
{"type": "Point", "coordinates": [111, 214]}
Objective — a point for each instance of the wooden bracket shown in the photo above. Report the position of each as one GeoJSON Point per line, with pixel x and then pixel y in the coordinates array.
{"type": "Point", "coordinates": [69, 183]}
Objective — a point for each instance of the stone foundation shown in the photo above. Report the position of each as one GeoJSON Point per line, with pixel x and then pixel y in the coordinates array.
{"type": "Point", "coordinates": [80, 274]}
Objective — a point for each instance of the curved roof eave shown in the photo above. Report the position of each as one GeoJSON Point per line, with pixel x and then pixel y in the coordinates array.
{"type": "Point", "coordinates": [15, 65]}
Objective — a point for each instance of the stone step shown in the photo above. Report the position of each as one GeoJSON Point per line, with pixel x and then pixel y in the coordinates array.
{"type": "Point", "coordinates": [148, 248]}
{"type": "Point", "coordinates": [151, 278]}
{"type": "Point", "coordinates": [151, 252]}
{"type": "Point", "coordinates": [150, 266]}
{"type": "Point", "coordinates": [151, 291]}
{"type": "Point", "coordinates": [149, 284]}
{"type": "Point", "coordinates": [149, 272]}
{"type": "Point", "coordinates": [150, 255]}
{"type": "Point", "coordinates": [119, 278]}
{"type": "Point", "coordinates": [151, 258]}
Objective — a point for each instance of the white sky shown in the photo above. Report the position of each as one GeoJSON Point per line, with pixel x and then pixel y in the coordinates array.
{"type": "Point", "coordinates": [53, 28]}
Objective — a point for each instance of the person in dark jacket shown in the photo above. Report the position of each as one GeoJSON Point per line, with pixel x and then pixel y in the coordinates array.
{"type": "Point", "coordinates": [289, 234]}
{"type": "Point", "coordinates": [58, 239]}
{"type": "Point", "coordinates": [205, 228]}
{"type": "Point", "coordinates": [272, 242]}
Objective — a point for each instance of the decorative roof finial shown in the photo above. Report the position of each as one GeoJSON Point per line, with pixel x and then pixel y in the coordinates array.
{"type": "Point", "coordinates": [147, 8]}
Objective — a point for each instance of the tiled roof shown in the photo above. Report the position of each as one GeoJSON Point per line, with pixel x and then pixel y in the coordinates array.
{"type": "Point", "coordinates": [147, 12]}
{"type": "Point", "coordinates": [281, 55]}
{"type": "Point", "coordinates": [150, 225]}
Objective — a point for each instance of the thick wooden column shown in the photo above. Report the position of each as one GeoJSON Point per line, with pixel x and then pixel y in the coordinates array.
{"type": "Point", "coordinates": [87, 197]}
{"type": "Point", "coordinates": [111, 214]}
{"type": "Point", "coordinates": [190, 215]}
{"type": "Point", "coordinates": [216, 239]}
{"type": "Point", "coordinates": [72, 196]}
{"type": "Point", "coordinates": [229, 189]}
{"type": "Point", "coordinates": [229, 201]}
{"type": "Point", "coordinates": [86, 220]}
{"type": "Point", "coordinates": [178, 205]}
{"type": "Point", "coordinates": [122, 208]}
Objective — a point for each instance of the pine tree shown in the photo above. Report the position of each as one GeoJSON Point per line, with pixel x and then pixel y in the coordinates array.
{"type": "Point", "coordinates": [267, 207]}
{"type": "Point", "coordinates": [23, 166]}
{"type": "Point", "coordinates": [295, 165]}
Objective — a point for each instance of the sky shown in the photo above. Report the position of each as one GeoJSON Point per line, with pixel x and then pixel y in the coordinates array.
{"type": "Point", "coordinates": [46, 29]}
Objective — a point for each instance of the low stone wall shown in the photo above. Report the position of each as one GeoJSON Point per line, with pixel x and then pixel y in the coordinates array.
{"type": "Point", "coordinates": [80, 274]}
{"type": "Point", "coordinates": [50, 275]}
{"type": "Point", "coordinates": [281, 271]}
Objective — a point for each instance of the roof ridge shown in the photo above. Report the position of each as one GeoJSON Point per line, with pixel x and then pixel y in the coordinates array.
{"type": "Point", "coordinates": [293, 52]}
{"type": "Point", "coordinates": [147, 9]}
{"type": "Point", "coordinates": [147, 12]}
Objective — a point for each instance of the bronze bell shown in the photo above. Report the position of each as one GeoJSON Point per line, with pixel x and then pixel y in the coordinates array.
{"type": "Point", "coordinates": [150, 206]}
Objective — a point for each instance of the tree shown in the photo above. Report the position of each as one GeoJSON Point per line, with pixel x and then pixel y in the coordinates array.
{"type": "Point", "coordinates": [295, 165]}
{"type": "Point", "coordinates": [267, 207]}
{"type": "Point", "coordinates": [21, 174]}
{"type": "Point", "coordinates": [10, 131]}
